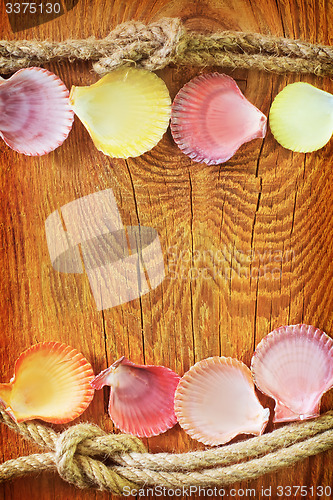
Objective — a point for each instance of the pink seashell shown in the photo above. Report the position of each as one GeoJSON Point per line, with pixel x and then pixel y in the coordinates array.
{"type": "Point", "coordinates": [216, 400]}
{"type": "Point", "coordinates": [141, 397]}
{"type": "Point", "coordinates": [211, 119]}
{"type": "Point", "coordinates": [294, 365]}
{"type": "Point", "coordinates": [36, 116]}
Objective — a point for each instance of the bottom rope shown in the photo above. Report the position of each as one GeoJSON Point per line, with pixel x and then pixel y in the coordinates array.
{"type": "Point", "coordinates": [84, 455]}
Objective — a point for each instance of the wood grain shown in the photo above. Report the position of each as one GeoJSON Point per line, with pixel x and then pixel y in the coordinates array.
{"type": "Point", "coordinates": [247, 244]}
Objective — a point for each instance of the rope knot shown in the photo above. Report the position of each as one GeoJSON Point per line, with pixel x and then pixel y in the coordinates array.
{"type": "Point", "coordinates": [88, 457]}
{"type": "Point", "coordinates": [80, 453]}
{"type": "Point", "coordinates": [66, 456]}
{"type": "Point", "coordinates": [150, 46]}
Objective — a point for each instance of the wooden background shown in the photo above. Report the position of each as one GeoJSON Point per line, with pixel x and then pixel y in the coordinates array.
{"type": "Point", "coordinates": [247, 244]}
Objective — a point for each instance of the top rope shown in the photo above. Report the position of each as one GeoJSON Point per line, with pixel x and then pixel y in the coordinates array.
{"type": "Point", "coordinates": [167, 41]}
{"type": "Point", "coordinates": [87, 457]}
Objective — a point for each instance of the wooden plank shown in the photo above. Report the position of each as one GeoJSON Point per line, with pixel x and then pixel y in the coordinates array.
{"type": "Point", "coordinates": [247, 244]}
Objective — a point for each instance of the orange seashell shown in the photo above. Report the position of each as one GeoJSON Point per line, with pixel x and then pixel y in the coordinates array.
{"type": "Point", "coordinates": [51, 382]}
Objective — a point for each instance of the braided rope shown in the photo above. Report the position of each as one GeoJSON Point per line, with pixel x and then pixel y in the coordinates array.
{"type": "Point", "coordinates": [166, 41]}
{"type": "Point", "coordinates": [87, 457]}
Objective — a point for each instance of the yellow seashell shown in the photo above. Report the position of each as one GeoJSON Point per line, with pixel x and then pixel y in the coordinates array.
{"type": "Point", "coordinates": [301, 117]}
{"type": "Point", "coordinates": [51, 382]}
{"type": "Point", "coordinates": [126, 112]}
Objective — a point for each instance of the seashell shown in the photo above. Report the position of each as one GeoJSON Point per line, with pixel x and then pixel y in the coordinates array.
{"type": "Point", "coordinates": [211, 119]}
{"type": "Point", "coordinates": [301, 117]}
{"type": "Point", "coordinates": [215, 401]}
{"type": "Point", "coordinates": [35, 113]}
{"type": "Point", "coordinates": [51, 382]}
{"type": "Point", "coordinates": [141, 397]}
{"type": "Point", "coordinates": [294, 365]}
{"type": "Point", "coordinates": [126, 112]}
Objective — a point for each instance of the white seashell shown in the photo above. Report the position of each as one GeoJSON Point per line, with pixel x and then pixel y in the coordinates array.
{"type": "Point", "coordinates": [35, 116]}
{"type": "Point", "coordinates": [215, 400]}
{"type": "Point", "coordinates": [294, 365]}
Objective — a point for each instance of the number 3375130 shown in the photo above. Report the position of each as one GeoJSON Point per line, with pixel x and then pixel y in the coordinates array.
{"type": "Point", "coordinates": [304, 491]}
{"type": "Point", "coordinates": [33, 8]}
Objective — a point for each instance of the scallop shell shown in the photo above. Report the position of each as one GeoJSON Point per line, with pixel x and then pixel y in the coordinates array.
{"type": "Point", "coordinates": [301, 117]}
{"type": "Point", "coordinates": [126, 112]}
{"type": "Point", "coordinates": [215, 401]}
{"type": "Point", "coordinates": [141, 397]}
{"type": "Point", "coordinates": [211, 119]}
{"type": "Point", "coordinates": [294, 365]}
{"type": "Point", "coordinates": [51, 382]}
{"type": "Point", "coordinates": [35, 113]}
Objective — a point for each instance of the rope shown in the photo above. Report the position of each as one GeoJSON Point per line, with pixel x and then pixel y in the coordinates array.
{"type": "Point", "coordinates": [87, 457]}
{"type": "Point", "coordinates": [167, 41]}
